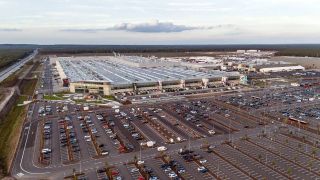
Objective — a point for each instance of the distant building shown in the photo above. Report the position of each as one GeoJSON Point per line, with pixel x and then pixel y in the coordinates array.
{"type": "Point", "coordinates": [281, 69]}
{"type": "Point", "coordinates": [252, 51]}
{"type": "Point", "coordinates": [241, 51]}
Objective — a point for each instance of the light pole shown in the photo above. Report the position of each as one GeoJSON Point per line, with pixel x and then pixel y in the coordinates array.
{"type": "Point", "coordinates": [189, 143]}
{"type": "Point", "coordinates": [140, 152]}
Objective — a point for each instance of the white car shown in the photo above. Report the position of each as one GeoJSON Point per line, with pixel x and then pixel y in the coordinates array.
{"type": "Point", "coordinates": [172, 175]}
{"type": "Point", "coordinates": [202, 161]}
{"type": "Point", "coordinates": [168, 169]}
{"type": "Point", "coordinates": [140, 162]}
{"type": "Point", "coordinates": [202, 169]}
{"type": "Point", "coordinates": [211, 132]}
{"type": "Point", "coordinates": [46, 150]}
{"type": "Point", "coordinates": [108, 131]}
{"type": "Point", "coordinates": [134, 170]}
{"type": "Point", "coordinates": [181, 171]}
{"type": "Point", "coordinates": [162, 148]}
{"type": "Point", "coordinates": [104, 153]}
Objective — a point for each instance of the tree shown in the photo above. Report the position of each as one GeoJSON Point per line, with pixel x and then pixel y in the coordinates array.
{"type": "Point", "coordinates": [310, 164]}
{"type": "Point", "coordinates": [167, 158]}
{"type": "Point", "coordinates": [108, 168]}
{"type": "Point", "coordinates": [205, 144]}
{"type": "Point", "coordinates": [273, 163]}
{"type": "Point", "coordinates": [162, 154]}
{"type": "Point", "coordinates": [135, 159]}
{"type": "Point", "coordinates": [289, 171]}
{"type": "Point", "coordinates": [314, 152]}
{"type": "Point", "coordinates": [285, 121]}
{"type": "Point", "coordinates": [259, 157]}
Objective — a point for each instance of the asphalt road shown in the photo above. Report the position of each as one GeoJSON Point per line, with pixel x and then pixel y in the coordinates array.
{"type": "Point", "coordinates": [13, 68]}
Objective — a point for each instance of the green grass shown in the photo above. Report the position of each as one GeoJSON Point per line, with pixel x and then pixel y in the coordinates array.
{"type": "Point", "coordinates": [9, 133]}
{"type": "Point", "coordinates": [13, 78]}
{"type": "Point", "coordinates": [1, 97]}
{"type": "Point", "coordinates": [10, 81]}
{"type": "Point", "coordinates": [10, 56]}
{"type": "Point", "coordinates": [52, 97]}
{"type": "Point", "coordinates": [79, 100]}
{"type": "Point", "coordinates": [109, 97]}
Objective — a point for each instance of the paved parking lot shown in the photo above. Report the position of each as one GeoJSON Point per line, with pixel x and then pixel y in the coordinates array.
{"type": "Point", "coordinates": [68, 136]}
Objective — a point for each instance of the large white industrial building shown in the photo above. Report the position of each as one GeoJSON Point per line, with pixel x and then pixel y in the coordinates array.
{"type": "Point", "coordinates": [116, 74]}
{"type": "Point", "coordinates": [282, 68]}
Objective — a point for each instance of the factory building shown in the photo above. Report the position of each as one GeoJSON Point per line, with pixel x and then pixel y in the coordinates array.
{"type": "Point", "coordinates": [281, 69]}
{"type": "Point", "coordinates": [110, 75]}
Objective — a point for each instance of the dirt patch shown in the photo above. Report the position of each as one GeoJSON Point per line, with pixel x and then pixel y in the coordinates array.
{"type": "Point", "coordinates": [28, 86]}
{"type": "Point", "coordinates": [307, 62]}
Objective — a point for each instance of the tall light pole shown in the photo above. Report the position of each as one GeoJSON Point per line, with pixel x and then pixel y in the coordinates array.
{"type": "Point", "coordinates": [140, 152]}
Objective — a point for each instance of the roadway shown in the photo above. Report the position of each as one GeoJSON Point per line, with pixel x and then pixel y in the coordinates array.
{"type": "Point", "coordinates": [13, 68]}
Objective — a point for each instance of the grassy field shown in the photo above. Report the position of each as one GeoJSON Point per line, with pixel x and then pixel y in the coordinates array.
{"type": "Point", "coordinates": [1, 97]}
{"type": "Point", "coordinates": [9, 133]}
{"type": "Point", "coordinates": [9, 56]}
{"type": "Point", "coordinates": [28, 87]}
{"type": "Point", "coordinates": [110, 97]}
{"type": "Point", "coordinates": [52, 97]}
{"type": "Point", "coordinates": [13, 78]}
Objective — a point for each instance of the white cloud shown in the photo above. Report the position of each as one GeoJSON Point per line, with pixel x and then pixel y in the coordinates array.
{"type": "Point", "coordinates": [10, 30]}
{"type": "Point", "coordinates": [154, 27]}
{"type": "Point", "coordinates": [150, 27]}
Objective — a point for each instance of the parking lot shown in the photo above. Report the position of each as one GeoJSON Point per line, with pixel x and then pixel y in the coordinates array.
{"type": "Point", "coordinates": [71, 134]}
{"type": "Point", "coordinates": [279, 155]}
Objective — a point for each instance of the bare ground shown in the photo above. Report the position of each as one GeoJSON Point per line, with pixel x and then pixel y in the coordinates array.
{"type": "Point", "coordinates": [307, 62]}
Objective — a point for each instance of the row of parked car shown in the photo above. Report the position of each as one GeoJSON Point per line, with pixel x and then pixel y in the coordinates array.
{"type": "Point", "coordinates": [172, 168]}
{"type": "Point", "coordinates": [108, 126]}
{"type": "Point", "coordinates": [47, 132]}
{"type": "Point", "coordinates": [146, 170]}
{"type": "Point", "coordinates": [88, 128]}
{"type": "Point", "coordinates": [67, 132]}
{"type": "Point", "coordinates": [114, 173]}
{"type": "Point", "coordinates": [45, 110]}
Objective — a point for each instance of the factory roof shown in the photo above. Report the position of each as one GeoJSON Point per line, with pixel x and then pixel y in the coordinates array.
{"type": "Point", "coordinates": [104, 70]}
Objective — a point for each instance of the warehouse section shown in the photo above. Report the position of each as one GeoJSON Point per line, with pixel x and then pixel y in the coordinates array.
{"type": "Point", "coordinates": [116, 74]}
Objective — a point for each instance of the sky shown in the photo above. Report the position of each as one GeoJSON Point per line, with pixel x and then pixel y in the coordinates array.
{"type": "Point", "coordinates": [143, 22]}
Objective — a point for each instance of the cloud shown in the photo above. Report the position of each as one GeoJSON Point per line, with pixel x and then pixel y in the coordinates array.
{"type": "Point", "coordinates": [153, 27]}
{"type": "Point", "coordinates": [10, 30]}
{"type": "Point", "coordinates": [150, 27]}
